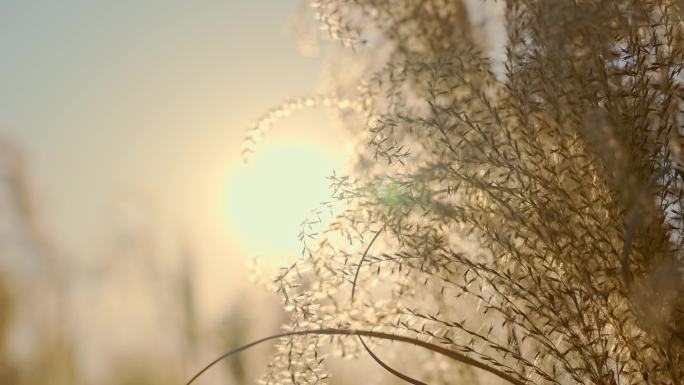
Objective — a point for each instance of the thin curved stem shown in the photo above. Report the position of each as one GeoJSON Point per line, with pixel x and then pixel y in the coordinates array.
{"type": "Point", "coordinates": [368, 350]}
{"type": "Point", "coordinates": [363, 258]}
{"type": "Point", "coordinates": [388, 368]}
{"type": "Point", "coordinates": [367, 333]}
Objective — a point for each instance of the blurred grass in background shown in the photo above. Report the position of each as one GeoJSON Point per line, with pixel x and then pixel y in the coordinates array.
{"type": "Point", "coordinates": [46, 334]}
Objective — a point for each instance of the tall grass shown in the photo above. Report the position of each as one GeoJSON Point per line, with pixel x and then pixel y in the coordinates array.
{"type": "Point", "coordinates": [532, 222]}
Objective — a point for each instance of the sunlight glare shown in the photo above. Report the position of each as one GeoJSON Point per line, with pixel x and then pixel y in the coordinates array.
{"type": "Point", "coordinates": [268, 199]}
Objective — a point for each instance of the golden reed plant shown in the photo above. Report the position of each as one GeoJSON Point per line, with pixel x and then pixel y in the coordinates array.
{"type": "Point", "coordinates": [524, 228]}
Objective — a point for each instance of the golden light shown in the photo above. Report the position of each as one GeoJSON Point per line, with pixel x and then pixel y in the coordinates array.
{"type": "Point", "coordinates": [267, 199]}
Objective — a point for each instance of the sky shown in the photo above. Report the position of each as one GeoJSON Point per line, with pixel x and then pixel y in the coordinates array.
{"type": "Point", "coordinates": [132, 113]}
{"type": "Point", "coordinates": [109, 99]}
{"type": "Point", "coordinates": [130, 117]}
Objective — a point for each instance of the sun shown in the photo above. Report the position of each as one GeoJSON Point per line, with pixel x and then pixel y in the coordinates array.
{"type": "Point", "coordinates": [267, 199]}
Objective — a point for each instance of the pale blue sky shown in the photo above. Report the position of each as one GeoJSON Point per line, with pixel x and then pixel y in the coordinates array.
{"type": "Point", "coordinates": [111, 99]}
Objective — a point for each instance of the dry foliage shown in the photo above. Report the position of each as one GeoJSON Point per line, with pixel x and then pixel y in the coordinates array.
{"type": "Point", "coordinates": [531, 223]}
